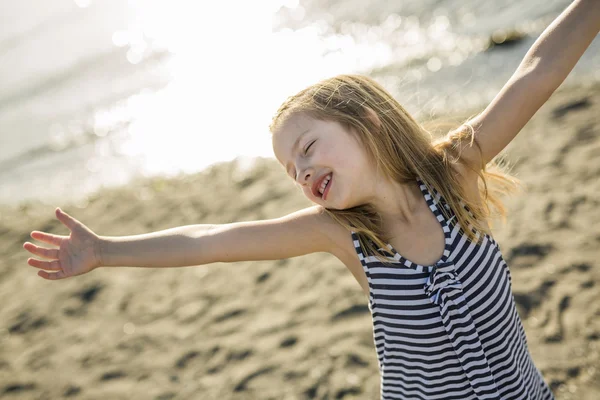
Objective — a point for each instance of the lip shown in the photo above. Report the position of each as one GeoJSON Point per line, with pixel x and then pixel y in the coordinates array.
{"type": "Point", "coordinates": [317, 184]}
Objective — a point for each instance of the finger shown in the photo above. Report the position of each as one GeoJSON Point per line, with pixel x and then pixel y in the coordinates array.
{"type": "Point", "coordinates": [65, 218]}
{"type": "Point", "coordinates": [41, 251]}
{"type": "Point", "coordinates": [49, 265]}
{"type": "Point", "coordinates": [48, 237]}
{"type": "Point", "coordinates": [52, 276]}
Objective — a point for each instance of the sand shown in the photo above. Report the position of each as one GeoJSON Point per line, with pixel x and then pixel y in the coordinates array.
{"type": "Point", "coordinates": [296, 328]}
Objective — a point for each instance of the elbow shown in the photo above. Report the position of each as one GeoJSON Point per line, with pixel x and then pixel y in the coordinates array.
{"type": "Point", "coordinates": [541, 79]}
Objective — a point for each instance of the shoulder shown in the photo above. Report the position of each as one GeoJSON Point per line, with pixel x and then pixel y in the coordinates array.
{"type": "Point", "coordinates": [339, 238]}
{"type": "Point", "coordinates": [470, 185]}
{"type": "Point", "coordinates": [341, 245]}
{"type": "Point", "coordinates": [336, 233]}
{"type": "Point", "coordinates": [469, 181]}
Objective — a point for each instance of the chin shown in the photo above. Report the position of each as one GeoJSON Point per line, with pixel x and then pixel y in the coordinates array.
{"type": "Point", "coordinates": [337, 206]}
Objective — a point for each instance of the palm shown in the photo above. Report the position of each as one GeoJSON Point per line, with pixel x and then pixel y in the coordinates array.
{"type": "Point", "coordinates": [73, 255]}
{"type": "Point", "coordinates": [76, 254]}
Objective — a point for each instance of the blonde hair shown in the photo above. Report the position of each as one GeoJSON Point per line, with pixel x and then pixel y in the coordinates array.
{"type": "Point", "coordinates": [402, 149]}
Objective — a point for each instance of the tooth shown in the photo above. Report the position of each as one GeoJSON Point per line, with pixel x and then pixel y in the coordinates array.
{"type": "Point", "coordinates": [324, 184]}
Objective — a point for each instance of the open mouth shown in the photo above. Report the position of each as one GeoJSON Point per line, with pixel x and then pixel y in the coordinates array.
{"type": "Point", "coordinates": [328, 179]}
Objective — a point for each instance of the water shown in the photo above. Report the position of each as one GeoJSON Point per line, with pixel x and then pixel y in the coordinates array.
{"type": "Point", "coordinates": [97, 93]}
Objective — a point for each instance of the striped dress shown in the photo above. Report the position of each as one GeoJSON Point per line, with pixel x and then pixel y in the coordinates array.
{"type": "Point", "coordinates": [449, 330]}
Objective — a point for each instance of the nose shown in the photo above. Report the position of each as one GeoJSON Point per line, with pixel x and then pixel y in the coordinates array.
{"type": "Point", "coordinates": [304, 176]}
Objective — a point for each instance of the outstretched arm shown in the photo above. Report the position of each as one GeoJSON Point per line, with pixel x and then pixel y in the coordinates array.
{"type": "Point", "coordinates": [306, 231]}
{"type": "Point", "coordinates": [545, 66]}
{"type": "Point", "coordinates": [299, 233]}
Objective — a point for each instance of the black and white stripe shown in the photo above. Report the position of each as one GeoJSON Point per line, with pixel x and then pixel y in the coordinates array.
{"type": "Point", "coordinates": [449, 330]}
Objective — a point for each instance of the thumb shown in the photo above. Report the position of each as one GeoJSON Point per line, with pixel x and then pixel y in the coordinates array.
{"type": "Point", "coordinates": [65, 218]}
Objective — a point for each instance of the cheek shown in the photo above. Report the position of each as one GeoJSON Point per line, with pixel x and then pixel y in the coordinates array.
{"type": "Point", "coordinates": [336, 158]}
{"type": "Point", "coordinates": [344, 164]}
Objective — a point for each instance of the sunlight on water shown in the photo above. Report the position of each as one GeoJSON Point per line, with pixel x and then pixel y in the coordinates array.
{"type": "Point", "coordinates": [156, 87]}
{"type": "Point", "coordinates": [232, 64]}
{"type": "Point", "coordinates": [229, 72]}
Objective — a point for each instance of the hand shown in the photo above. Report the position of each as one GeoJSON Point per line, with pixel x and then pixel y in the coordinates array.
{"type": "Point", "coordinates": [76, 254]}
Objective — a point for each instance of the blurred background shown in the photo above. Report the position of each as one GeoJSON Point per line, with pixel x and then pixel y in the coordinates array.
{"type": "Point", "coordinates": [142, 98]}
{"type": "Point", "coordinates": [96, 93]}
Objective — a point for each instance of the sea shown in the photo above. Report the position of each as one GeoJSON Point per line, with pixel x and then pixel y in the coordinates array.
{"type": "Point", "coordinates": [98, 93]}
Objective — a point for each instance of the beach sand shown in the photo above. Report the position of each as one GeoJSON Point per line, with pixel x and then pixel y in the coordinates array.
{"type": "Point", "coordinates": [295, 328]}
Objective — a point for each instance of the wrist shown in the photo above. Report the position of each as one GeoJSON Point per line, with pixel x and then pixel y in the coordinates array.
{"type": "Point", "coordinates": [100, 251]}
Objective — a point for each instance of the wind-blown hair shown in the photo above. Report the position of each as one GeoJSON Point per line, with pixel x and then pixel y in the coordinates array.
{"type": "Point", "coordinates": [402, 149]}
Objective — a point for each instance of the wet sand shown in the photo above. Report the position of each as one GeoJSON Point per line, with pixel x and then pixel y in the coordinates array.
{"type": "Point", "coordinates": [295, 328]}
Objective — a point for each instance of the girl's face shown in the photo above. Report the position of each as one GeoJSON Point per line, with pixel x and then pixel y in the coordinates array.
{"type": "Point", "coordinates": [311, 149]}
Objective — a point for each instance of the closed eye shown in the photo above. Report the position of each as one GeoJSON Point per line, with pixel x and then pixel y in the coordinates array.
{"type": "Point", "coordinates": [311, 143]}
{"type": "Point", "coordinates": [293, 176]}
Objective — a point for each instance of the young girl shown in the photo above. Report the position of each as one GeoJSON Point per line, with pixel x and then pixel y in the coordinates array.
{"type": "Point", "coordinates": [391, 204]}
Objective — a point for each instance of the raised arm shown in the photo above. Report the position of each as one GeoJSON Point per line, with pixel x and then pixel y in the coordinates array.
{"type": "Point", "coordinates": [302, 232]}
{"type": "Point", "coordinates": [545, 66]}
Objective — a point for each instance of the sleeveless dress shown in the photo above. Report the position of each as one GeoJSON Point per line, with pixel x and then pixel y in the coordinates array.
{"type": "Point", "coordinates": [449, 330]}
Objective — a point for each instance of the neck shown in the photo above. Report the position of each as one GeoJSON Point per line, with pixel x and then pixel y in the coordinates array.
{"type": "Point", "coordinates": [398, 202]}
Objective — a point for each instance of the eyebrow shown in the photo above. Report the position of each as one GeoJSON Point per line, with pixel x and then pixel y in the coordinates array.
{"type": "Point", "coordinates": [296, 143]}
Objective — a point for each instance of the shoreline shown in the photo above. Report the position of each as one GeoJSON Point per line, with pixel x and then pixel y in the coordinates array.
{"type": "Point", "coordinates": [451, 119]}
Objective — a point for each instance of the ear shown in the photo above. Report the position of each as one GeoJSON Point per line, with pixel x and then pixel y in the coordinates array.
{"type": "Point", "coordinates": [373, 117]}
